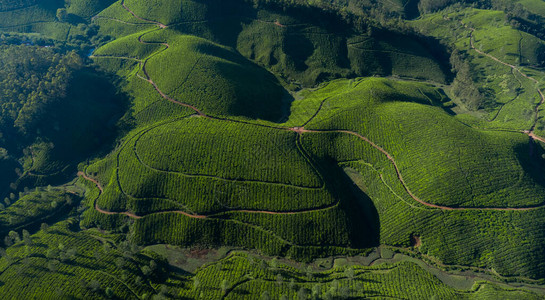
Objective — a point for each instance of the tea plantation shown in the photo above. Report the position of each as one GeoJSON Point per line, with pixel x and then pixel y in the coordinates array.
{"type": "Point", "coordinates": [244, 149]}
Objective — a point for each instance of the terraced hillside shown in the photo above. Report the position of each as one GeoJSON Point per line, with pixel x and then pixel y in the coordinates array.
{"type": "Point", "coordinates": [298, 49]}
{"type": "Point", "coordinates": [275, 149]}
{"type": "Point", "coordinates": [444, 167]}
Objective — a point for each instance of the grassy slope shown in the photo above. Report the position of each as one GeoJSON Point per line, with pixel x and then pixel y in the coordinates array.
{"type": "Point", "coordinates": [92, 261]}
{"type": "Point", "coordinates": [515, 96]}
{"type": "Point", "coordinates": [240, 87]}
{"type": "Point", "coordinates": [534, 6]}
{"type": "Point", "coordinates": [86, 9]}
{"type": "Point", "coordinates": [309, 54]}
{"type": "Point", "coordinates": [38, 18]}
{"type": "Point", "coordinates": [147, 173]}
{"type": "Point", "coordinates": [364, 106]}
{"type": "Point", "coordinates": [298, 50]}
{"type": "Point", "coordinates": [242, 276]}
{"type": "Point", "coordinates": [448, 152]}
{"type": "Point", "coordinates": [248, 279]}
{"type": "Point", "coordinates": [444, 161]}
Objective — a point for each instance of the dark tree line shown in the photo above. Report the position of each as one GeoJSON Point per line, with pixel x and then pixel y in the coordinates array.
{"type": "Point", "coordinates": [31, 79]}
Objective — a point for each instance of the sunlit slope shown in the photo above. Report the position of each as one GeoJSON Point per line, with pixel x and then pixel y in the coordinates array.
{"type": "Point", "coordinates": [196, 175]}
{"type": "Point", "coordinates": [85, 9]}
{"type": "Point", "coordinates": [194, 180]}
{"type": "Point", "coordinates": [509, 97]}
{"type": "Point", "coordinates": [459, 183]}
{"type": "Point", "coordinates": [294, 47]}
{"type": "Point", "coordinates": [442, 160]}
{"type": "Point", "coordinates": [183, 69]}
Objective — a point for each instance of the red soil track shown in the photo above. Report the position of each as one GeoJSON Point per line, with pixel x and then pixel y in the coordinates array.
{"type": "Point", "coordinates": [195, 216]}
{"type": "Point", "coordinates": [302, 130]}
{"type": "Point", "coordinates": [129, 214]}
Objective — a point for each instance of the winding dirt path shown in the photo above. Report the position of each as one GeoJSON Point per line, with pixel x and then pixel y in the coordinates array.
{"type": "Point", "coordinates": [195, 216]}
{"type": "Point", "coordinates": [116, 20]}
{"type": "Point", "coordinates": [515, 68]}
{"type": "Point", "coordinates": [101, 190]}
{"type": "Point", "coordinates": [161, 25]}
{"type": "Point", "coordinates": [301, 130]}
{"type": "Point", "coordinates": [126, 213]}
{"type": "Point", "coordinates": [150, 81]}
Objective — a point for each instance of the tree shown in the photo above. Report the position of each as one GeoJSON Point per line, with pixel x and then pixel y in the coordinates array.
{"type": "Point", "coordinates": [71, 253]}
{"type": "Point", "coordinates": [153, 265]}
{"type": "Point", "coordinates": [62, 14]}
{"type": "Point", "coordinates": [265, 296]}
{"type": "Point", "coordinates": [225, 286]}
{"type": "Point", "coordinates": [159, 297]}
{"type": "Point", "coordinates": [309, 273]}
{"type": "Point", "coordinates": [316, 291]}
{"type": "Point", "coordinates": [263, 265]}
{"type": "Point", "coordinates": [14, 236]}
{"type": "Point", "coordinates": [52, 253]}
{"type": "Point", "coordinates": [146, 271]}
{"type": "Point", "coordinates": [344, 292]}
{"type": "Point", "coordinates": [83, 283]}
{"type": "Point", "coordinates": [26, 261]}
{"type": "Point", "coordinates": [328, 295]}
{"type": "Point", "coordinates": [302, 294]}
{"type": "Point", "coordinates": [292, 285]}
{"type": "Point", "coordinates": [109, 292]}
{"type": "Point", "coordinates": [196, 283]}
{"type": "Point", "coordinates": [94, 285]}
{"type": "Point", "coordinates": [52, 265]}
{"type": "Point", "coordinates": [120, 262]}
{"type": "Point", "coordinates": [274, 263]}
{"type": "Point", "coordinates": [44, 227]}
{"type": "Point", "coordinates": [163, 290]}
{"type": "Point", "coordinates": [62, 256]}
{"type": "Point", "coordinates": [68, 199]}
{"type": "Point", "coordinates": [97, 255]}
{"type": "Point", "coordinates": [349, 273]}
{"type": "Point", "coordinates": [279, 279]}
{"type": "Point", "coordinates": [26, 237]}
{"type": "Point", "coordinates": [8, 241]}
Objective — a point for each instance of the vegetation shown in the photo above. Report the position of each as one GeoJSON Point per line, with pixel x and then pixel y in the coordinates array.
{"type": "Point", "coordinates": [34, 209]}
{"type": "Point", "coordinates": [250, 124]}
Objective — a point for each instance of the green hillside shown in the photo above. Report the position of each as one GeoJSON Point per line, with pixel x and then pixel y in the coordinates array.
{"type": "Point", "coordinates": [208, 149]}
{"type": "Point", "coordinates": [440, 161]}
{"type": "Point", "coordinates": [296, 49]}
